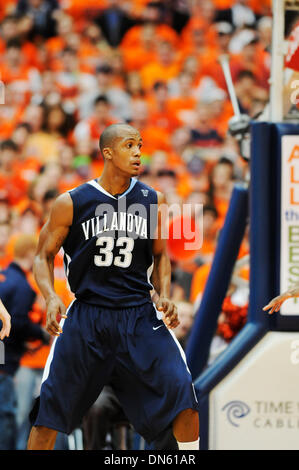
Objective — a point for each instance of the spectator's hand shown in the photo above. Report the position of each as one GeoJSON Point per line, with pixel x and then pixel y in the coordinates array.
{"type": "Point", "coordinates": [170, 312]}
{"type": "Point", "coordinates": [55, 309]}
{"type": "Point", "coordinates": [6, 323]}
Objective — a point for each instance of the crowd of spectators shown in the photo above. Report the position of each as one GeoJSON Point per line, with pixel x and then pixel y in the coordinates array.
{"type": "Point", "coordinates": [69, 68]}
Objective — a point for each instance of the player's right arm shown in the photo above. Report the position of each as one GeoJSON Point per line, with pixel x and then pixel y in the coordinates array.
{"type": "Point", "coordinates": [275, 304]}
{"type": "Point", "coordinates": [52, 236]}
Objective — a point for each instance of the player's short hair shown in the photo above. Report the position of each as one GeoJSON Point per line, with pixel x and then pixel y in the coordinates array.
{"type": "Point", "coordinates": [111, 133]}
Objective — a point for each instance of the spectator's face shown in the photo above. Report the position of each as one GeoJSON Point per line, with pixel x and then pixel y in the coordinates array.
{"type": "Point", "coordinates": [265, 31]}
{"type": "Point", "coordinates": [180, 138]}
{"type": "Point", "coordinates": [246, 84]}
{"type": "Point", "coordinates": [134, 83]}
{"type": "Point", "coordinates": [140, 113]}
{"type": "Point", "coordinates": [28, 222]}
{"type": "Point", "coordinates": [35, 3]}
{"type": "Point", "coordinates": [13, 56]}
{"type": "Point", "coordinates": [158, 162]}
{"type": "Point", "coordinates": [209, 219]}
{"type": "Point", "coordinates": [113, 3]}
{"type": "Point", "coordinates": [249, 51]}
{"type": "Point", "coordinates": [151, 13]}
{"type": "Point", "coordinates": [167, 183]}
{"type": "Point", "coordinates": [104, 79]}
{"type": "Point", "coordinates": [191, 66]}
{"type": "Point", "coordinates": [93, 32]}
{"type": "Point", "coordinates": [216, 107]}
{"type": "Point", "coordinates": [65, 25]}
{"type": "Point", "coordinates": [7, 158]}
{"type": "Point", "coordinates": [48, 82]}
{"type": "Point", "coordinates": [20, 136]}
{"type": "Point", "coordinates": [198, 37]}
{"type": "Point", "coordinates": [84, 147]}
{"type": "Point", "coordinates": [69, 61]}
{"type": "Point", "coordinates": [9, 30]}
{"type": "Point", "coordinates": [161, 94]}
{"type": "Point", "coordinates": [73, 41]}
{"type": "Point", "coordinates": [148, 35]}
{"type": "Point", "coordinates": [66, 157]}
{"type": "Point", "coordinates": [165, 51]}
{"type": "Point", "coordinates": [223, 40]}
{"type": "Point", "coordinates": [207, 10]}
{"type": "Point", "coordinates": [222, 174]}
{"type": "Point", "coordinates": [101, 111]}
{"type": "Point", "coordinates": [56, 119]}
{"type": "Point", "coordinates": [52, 174]}
{"type": "Point", "coordinates": [203, 118]}
{"type": "Point", "coordinates": [186, 83]}
{"type": "Point", "coordinates": [34, 116]}
{"type": "Point", "coordinates": [25, 24]}
{"type": "Point", "coordinates": [195, 201]}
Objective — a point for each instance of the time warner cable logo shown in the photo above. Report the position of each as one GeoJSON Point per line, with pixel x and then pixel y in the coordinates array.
{"type": "Point", "coordinates": [235, 410]}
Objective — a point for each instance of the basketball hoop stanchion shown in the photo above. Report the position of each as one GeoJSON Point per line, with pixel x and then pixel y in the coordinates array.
{"type": "Point", "coordinates": [248, 397]}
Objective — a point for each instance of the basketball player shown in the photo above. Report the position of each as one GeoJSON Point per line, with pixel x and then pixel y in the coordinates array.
{"type": "Point", "coordinates": [275, 304]}
{"type": "Point", "coordinates": [6, 321]}
{"type": "Point", "coordinates": [112, 332]}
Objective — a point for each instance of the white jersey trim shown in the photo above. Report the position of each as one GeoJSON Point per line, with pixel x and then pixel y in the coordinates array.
{"type": "Point", "coordinates": [97, 186]}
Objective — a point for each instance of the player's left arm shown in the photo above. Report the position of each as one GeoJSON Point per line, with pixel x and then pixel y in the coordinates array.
{"type": "Point", "coordinates": [161, 275]}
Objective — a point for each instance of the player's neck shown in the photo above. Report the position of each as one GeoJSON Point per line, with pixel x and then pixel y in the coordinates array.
{"type": "Point", "coordinates": [114, 183]}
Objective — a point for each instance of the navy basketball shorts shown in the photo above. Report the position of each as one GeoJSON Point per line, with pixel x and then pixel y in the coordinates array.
{"type": "Point", "coordinates": [132, 350]}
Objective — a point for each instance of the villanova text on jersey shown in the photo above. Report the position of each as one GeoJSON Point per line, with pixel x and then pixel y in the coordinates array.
{"type": "Point", "coordinates": [108, 251]}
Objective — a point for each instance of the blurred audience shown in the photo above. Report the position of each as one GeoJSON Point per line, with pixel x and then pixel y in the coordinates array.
{"type": "Point", "coordinates": [69, 69]}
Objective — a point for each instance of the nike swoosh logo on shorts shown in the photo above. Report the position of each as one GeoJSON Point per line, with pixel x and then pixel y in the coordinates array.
{"type": "Point", "coordinates": [156, 327]}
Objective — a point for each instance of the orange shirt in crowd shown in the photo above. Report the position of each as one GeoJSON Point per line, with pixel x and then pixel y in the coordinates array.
{"type": "Point", "coordinates": [154, 138]}
{"type": "Point", "coordinates": [132, 38]}
{"type": "Point", "coordinates": [199, 280]}
{"type": "Point", "coordinates": [156, 71]}
{"type": "Point", "coordinates": [77, 8]}
{"type": "Point", "coordinates": [135, 58]}
{"type": "Point", "coordinates": [69, 182]}
{"type": "Point", "coordinates": [5, 260]}
{"type": "Point", "coordinates": [15, 187]}
{"type": "Point", "coordinates": [10, 116]}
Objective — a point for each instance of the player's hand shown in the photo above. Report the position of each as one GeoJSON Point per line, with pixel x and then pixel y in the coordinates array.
{"type": "Point", "coordinates": [275, 304]}
{"type": "Point", "coordinates": [170, 312]}
{"type": "Point", "coordinates": [6, 325]}
{"type": "Point", "coordinates": [55, 309]}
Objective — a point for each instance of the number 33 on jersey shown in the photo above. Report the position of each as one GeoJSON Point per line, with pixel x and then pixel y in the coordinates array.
{"type": "Point", "coordinates": [108, 250]}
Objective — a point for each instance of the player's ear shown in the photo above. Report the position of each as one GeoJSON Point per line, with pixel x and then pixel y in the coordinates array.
{"type": "Point", "coordinates": [107, 153]}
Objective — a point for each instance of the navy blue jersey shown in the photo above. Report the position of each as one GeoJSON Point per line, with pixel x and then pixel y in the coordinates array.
{"type": "Point", "coordinates": [108, 251]}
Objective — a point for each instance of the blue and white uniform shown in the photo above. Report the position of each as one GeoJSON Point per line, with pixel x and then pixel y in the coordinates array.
{"type": "Point", "coordinates": [113, 332]}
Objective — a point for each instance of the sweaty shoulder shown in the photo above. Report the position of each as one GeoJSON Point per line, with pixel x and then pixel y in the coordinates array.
{"type": "Point", "coordinates": [62, 210]}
